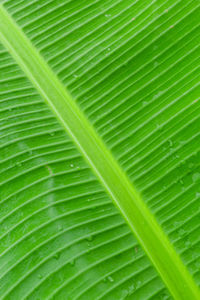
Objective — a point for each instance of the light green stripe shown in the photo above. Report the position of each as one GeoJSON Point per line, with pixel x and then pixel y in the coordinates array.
{"type": "Point", "coordinates": [126, 198]}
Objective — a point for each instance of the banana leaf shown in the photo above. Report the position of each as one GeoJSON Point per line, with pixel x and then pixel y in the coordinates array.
{"type": "Point", "coordinates": [99, 149]}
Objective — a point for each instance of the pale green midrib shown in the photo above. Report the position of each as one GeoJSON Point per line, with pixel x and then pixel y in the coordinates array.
{"type": "Point", "coordinates": [143, 224]}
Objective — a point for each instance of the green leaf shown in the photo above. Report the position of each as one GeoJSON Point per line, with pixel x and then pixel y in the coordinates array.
{"type": "Point", "coordinates": [99, 124]}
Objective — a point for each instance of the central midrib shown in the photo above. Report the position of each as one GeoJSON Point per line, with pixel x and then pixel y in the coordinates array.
{"type": "Point", "coordinates": [125, 197]}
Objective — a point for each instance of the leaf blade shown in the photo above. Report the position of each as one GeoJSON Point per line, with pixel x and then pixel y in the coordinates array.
{"type": "Point", "coordinates": [102, 162]}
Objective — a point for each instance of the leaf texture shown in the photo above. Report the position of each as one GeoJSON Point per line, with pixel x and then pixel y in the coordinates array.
{"type": "Point", "coordinates": [133, 69]}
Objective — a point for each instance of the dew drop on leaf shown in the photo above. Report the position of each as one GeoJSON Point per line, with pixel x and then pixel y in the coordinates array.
{"type": "Point", "coordinates": [182, 232]}
{"type": "Point", "coordinates": [131, 289]}
{"type": "Point", "coordinates": [187, 243]}
{"type": "Point", "coordinates": [60, 227]}
{"type": "Point", "coordinates": [196, 177]}
{"type": "Point", "coordinates": [138, 284]}
{"type": "Point", "coordinates": [89, 238]}
{"type": "Point", "coordinates": [164, 297]}
{"type": "Point", "coordinates": [110, 279]}
{"type": "Point", "coordinates": [72, 262]}
{"type": "Point", "coordinates": [170, 143]}
{"type": "Point", "coordinates": [191, 166]}
{"type": "Point", "coordinates": [56, 255]}
{"type": "Point", "coordinates": [144, 103]}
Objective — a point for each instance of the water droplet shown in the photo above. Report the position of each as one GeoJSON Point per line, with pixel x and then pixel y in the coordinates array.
{"type": "Point", "coordinates": [196, 177]}
{"type": "Point", "coordinates": [107, 15]}
{"type": "Point", "coordinates": [159, 93]}
{"type": "Point", "coordinates": [170, 143]}
{"type": "Point", "coordinates": [182, 232]}
{"type": "Point", "coordinates": [159, 126]}
{"type": "Point", "coordinates": [138, 284]}
{"type": "Point", "coordinates": [191, 165]}
{"type": "Point", "coordinates": [124, 64]}
{"type": "Point", "coordinates": [110, 279]}
{"type": "Point", "coordinates": [131, 289]}
{"type": "Point", "coordinates": [92, 207]}
{"type": "Point", "coordinates": [49, 170]}
{"type": "Point", "coordinates": [177, 224]}
{"type": "Point", "coordinates": [182, 163]}
{"type": "Point", "coordinates": [72, 262]}
{"type": "Point", "coordinates": [71, 165]}
{"type": "Point", "coordinates": [19, 164]}
{"type": "Point", "coordinates": [182, 185]}
{"type": "Point", "coordinates": [144, 103]}
{"type": "Point", "coordinates": [164, 297]}
{"type": "Point", "coordinates": [187, 243]}
{"type": "Point", "coordinates": [182, 142]}
{"type": "Point", "coordinates": [89, 238]}
{"type": "Point", "coordinates": [155, 47]}
{"type": "Point", "coordinates": [60, 227]}
{"type": "Point", "coordinates": [52, 133]}
{"type": "Point", "coordinates": [56, 255]}
{"type": "Point", "coordinates": [125, 294]}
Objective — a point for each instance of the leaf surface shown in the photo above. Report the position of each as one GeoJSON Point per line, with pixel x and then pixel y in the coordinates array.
{"type": "Point", "coordinates": [127, 133]}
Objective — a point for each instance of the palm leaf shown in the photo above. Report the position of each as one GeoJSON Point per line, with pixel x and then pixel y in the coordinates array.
{"type": "Point", "coordinates": [99, 149]}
